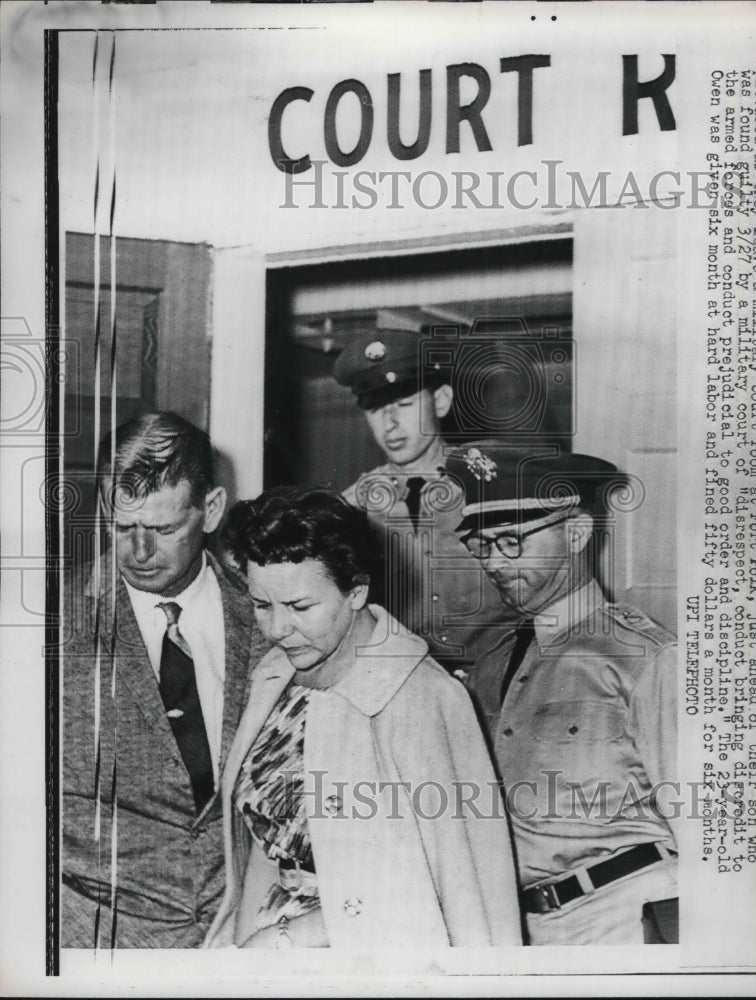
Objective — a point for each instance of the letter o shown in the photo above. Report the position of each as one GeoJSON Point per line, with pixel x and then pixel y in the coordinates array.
{"type": "Point", "coordinates": [442, 796]}
{"type": "Point", "coordinates": [443, 188]}
{"type": "Point", "coordinates": [333, 149]}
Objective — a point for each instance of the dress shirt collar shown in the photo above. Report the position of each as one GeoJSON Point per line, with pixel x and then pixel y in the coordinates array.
{"type": "Point", "coordinates": [566, 612]}
{"type": "Point", "coordinates": [433, 464]}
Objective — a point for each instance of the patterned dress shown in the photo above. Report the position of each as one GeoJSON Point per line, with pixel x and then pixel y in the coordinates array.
{"type": "Point", "coordinates": [268, 793]}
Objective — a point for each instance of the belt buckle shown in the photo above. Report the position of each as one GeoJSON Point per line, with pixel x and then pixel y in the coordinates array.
{"type": "Point", "coordinates": [545, 898]}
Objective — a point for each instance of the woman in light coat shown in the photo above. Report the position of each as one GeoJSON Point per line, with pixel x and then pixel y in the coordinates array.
{"type": "Point", "coordinates": [360, 806]}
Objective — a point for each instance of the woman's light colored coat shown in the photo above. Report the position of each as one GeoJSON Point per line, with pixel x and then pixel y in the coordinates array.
{"type": "Point", "coordinates": [392, 753]}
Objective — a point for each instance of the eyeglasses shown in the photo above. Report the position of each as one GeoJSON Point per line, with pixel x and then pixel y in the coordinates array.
{"type": "Point", "coordinates": [509, 543]}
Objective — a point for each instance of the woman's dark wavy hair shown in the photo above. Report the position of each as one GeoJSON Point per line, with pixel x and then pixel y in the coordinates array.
{"type": "Point", "coordinates": [294, 523]}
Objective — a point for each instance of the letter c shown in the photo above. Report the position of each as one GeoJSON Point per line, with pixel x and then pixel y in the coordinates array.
{"type": "Point", "coordinates": [282, 161]}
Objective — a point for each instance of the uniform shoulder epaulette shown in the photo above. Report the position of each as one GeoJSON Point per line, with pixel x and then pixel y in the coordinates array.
{"type": "Point", "coordinates": [638, 621]}
{"type": "Point", "coordinates": [379, 479]}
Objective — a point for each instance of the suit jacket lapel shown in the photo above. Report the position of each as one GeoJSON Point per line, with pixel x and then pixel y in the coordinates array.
{"type": "Point", "coordinates": [134, 670]}
{"type": "Point", "coordinates": [268, 681]}
{"type": "Point", "coordinates": [237, 623]}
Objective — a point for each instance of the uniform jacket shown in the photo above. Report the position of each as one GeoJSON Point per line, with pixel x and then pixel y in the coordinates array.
{"type": "Point", "coordinates": [170, 861]}
{"type": "Point", "coordinates": [383, 882]}
{"type": "Point", "coordinates": [588, 727]}
{"type": "Point", "coordinates": [431, 582]}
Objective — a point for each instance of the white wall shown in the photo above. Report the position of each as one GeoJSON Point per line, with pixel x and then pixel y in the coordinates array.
{"type": "Point", "coordinates": [185, 132]}
{"type": "Point", "coordinates": [191, 113]}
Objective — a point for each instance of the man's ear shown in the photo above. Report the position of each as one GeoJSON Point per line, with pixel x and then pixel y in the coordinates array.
{"type": "Point", "coordinates": [442, 400]}
{"type": "Point", "coordinates": [579, 531]}
{"type": "Point", "coordinates": [215, 505]}
{"type": "Point", "coordinates": [359, 596]}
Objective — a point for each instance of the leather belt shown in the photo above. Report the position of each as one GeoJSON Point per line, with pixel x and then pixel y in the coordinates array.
{"type": "Point", "coordinates": [554, 895]}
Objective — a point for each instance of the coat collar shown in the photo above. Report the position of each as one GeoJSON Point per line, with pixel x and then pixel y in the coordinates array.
{"type": "Point", "coordinates": [383, 666]}
{"type": "Point", "coordinates": [398, 475]}
{"type": "Point", "coordinates": [379, 671]}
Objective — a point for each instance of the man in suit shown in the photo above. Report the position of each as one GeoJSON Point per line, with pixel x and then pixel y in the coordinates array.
{"type": "Point", "coordinates": [430, 586]}
{"type": "Point", "coordinates": [580, 704]}
{"type": "Point", "coordinates": [158, 643]}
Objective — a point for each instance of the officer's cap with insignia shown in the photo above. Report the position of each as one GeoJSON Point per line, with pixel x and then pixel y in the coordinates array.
{"type": "Point", "coordinates": [504, 487]}
{"type": "Point", "coordinates": [380, 366]}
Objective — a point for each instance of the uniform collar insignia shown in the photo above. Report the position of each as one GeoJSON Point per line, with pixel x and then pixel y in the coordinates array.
{"type": "Point", "coordinates": [480, 465]}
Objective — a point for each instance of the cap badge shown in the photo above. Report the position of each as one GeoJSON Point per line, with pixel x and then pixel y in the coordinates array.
{"type": "Point", "coordinates": [481, 466]}
{"type": "Point", "coordinates": [391, 377]}
{"type": "Point", "coordinates": [375, 351]}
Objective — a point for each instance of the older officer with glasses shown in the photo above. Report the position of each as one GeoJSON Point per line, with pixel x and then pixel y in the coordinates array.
{"type": "Point", "coordinates": [580, 704]}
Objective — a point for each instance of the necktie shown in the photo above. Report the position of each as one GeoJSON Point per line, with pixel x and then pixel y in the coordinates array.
{"type": "Point", "coordinates": [525, 633]}
{"type": "Point", "coordinates": [414, 489]}
{"type": "Point", "coordinates": [178, 689]}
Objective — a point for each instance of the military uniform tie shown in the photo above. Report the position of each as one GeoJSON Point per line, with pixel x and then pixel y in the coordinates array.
{"type": "Point", "coordinates": [414, 489]}
{"type": "Point", "coordinates": [525, 633]}
{"type": "Point", "coordinates": [178, 689]}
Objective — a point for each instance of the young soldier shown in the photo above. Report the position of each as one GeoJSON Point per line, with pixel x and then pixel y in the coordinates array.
{"type": "Point", "coordinates": [430, 584]}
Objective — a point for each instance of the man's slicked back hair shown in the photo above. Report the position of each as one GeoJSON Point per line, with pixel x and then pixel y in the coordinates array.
{"type": "Point", "coordinates": [155, 450]}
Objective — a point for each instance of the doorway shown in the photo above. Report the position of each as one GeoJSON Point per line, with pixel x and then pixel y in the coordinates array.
{"type": "Point", "coordinates": [499, 318]}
